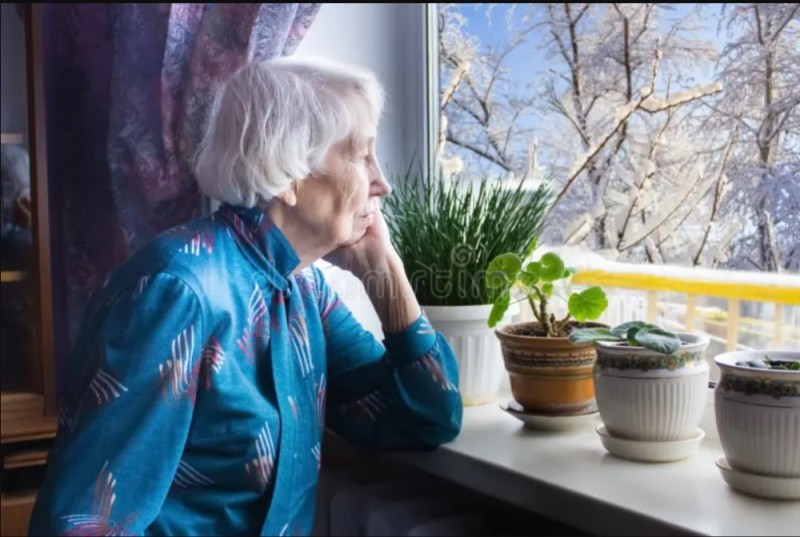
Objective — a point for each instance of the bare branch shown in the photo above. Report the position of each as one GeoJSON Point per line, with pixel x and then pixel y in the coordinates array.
{"type": "Point", "coordinates": [652, 150]}
{"type": "Point", "coordinates": [451, 87]}
{"type": "Point", "coordinates": [758, 24]}
{"type": "Point", "coordinates": [718, 194]}
{"type": "Point", "coordinates": [786, 21]}
{"type": "Point", "coordinates": [479, 152]}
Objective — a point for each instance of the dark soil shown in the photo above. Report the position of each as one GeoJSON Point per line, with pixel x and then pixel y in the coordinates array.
{"type": "Point", "coordinates": [535, 330]}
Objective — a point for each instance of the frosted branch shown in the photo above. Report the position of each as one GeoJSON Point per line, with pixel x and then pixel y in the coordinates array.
{"type": "Point", "coordinates": [654, 105]}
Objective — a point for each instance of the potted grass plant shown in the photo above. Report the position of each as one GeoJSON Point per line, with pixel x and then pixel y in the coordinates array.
{"type": "Point", "coordinates": [446, 230]}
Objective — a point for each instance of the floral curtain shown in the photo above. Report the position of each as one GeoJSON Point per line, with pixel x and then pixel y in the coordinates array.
{"type": "Point", "coordinates": [129, 88]}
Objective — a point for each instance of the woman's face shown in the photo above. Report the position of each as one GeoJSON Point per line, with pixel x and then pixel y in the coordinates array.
{"type": "Point", "coordinates": [340, 202]}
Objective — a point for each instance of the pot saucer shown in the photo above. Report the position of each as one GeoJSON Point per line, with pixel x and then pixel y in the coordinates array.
{"type": "Point", "coordinates": [761, 486]}
{"type": "Point", "coordinates": [645, 451]}
{"type": "Point", "coordinates": [547, 422]}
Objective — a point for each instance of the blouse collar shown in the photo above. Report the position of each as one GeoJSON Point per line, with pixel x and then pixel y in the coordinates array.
{"type": "Point", "coordinates": [264, 242]}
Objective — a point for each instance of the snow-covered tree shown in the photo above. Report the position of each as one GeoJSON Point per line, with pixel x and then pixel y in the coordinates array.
{"type": "Point", "coordinates": [760, 67]}
{"type": "Point", "coordinates": [622, 123]}
{"type": "Point", "coordinates": [481, 107]}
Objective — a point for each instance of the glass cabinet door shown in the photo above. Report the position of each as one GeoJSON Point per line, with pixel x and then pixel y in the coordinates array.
{"type": "Point", "coordinates": [26, 372]}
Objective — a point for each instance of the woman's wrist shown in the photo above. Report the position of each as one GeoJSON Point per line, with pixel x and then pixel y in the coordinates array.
{"type": "Point", "coordinates": [391, 294]}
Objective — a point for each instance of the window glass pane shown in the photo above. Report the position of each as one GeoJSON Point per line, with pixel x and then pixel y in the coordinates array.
{"type": "Point", "coordinates": [669, 132]}
{"type": "Point", "coordinates": [18, 304]}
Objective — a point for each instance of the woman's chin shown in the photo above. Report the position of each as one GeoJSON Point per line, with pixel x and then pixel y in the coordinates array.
{"type": "Point", "coordinates": [359, 226]}
{"type": "Point", "coordinates": [354, 237]}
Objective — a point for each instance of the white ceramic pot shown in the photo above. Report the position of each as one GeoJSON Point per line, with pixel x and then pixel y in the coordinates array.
{"type": "Point", "coordinates": [758, 414]}
{"type": "Point", "coordinates": [646, 395]}
{"type": "Point", "coordinates": [477, 350]}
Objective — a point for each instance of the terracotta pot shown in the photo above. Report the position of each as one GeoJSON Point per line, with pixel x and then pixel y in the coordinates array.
{"type": "Point", "coordinates": [549, 375]}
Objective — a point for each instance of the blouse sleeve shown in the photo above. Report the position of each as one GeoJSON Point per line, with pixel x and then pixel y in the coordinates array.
{"type": "Point", "coordinates": [121, 439]}
{"type": "Point", "coordinates": [399, 394]}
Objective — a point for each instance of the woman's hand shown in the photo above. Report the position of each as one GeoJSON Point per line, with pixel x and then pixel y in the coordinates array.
{"type": "Point", "coordinates": [374, 261]}
{"type": "Point", "coordinates": [372, 252]}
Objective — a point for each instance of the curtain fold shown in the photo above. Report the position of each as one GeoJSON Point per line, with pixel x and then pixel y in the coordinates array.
{"type": "Point", "coordinates": [129, 88]}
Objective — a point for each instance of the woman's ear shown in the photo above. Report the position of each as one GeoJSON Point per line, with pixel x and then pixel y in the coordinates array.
{"type": "Point", "coordinates": [289, 196]}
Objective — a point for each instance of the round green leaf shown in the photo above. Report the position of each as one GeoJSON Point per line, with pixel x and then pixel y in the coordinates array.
{"type": "Point", "coordinates": [527, 279]}
{"type": "Point", "coordinates": [499, 309]}
{"type": "Point", "coordinates": [552, 268]}
{"type": "Point", "coordinates": [585, 335]}
{"type": "Point", "coordinates": [533, 268]}
{"type": "Point", "coordinates": [588, 304]}
{"type": "Point", "coordinates": [631, 335]}
{"type": "Point", "coordinates": [503, 270]}
{"type": "Point", "coordinates": [658, 340]}
{"type": "Point", "coordinates": [547, 289]}
{"type": "Point", "coordinates": [621, 330]}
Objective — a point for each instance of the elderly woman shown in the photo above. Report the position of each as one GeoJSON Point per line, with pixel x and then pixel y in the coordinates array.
{"type": "Point", "coordinates": [208, 365]}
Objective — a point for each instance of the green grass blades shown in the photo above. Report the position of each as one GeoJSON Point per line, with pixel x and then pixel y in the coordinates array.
{"type": "Point", "coordinates": [448, 230]}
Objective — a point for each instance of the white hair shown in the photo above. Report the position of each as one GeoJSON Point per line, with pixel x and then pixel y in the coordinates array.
{"type": "Point", "coordinates": [273, 122]}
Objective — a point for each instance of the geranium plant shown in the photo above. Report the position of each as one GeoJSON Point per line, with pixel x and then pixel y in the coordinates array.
{"type": "Point", "coordinates": [540, 282]}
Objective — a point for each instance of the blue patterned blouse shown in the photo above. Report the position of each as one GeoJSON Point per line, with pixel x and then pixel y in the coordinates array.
{"type": "Point", "coordinates": [202, 378]}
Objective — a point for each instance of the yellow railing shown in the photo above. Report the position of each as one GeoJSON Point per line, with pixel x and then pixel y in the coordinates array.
{"type": "Point", "coordinates": [779, 289]}
{"type": "Point", "coordinates": [786, 293]}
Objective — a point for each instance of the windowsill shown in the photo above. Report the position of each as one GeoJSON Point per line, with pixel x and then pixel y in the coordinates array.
{"type": "Point", "coordinates": [569, 477]}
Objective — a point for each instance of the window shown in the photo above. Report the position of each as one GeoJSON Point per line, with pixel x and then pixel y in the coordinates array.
{"type": "Point", "coordinates": [669, 132]}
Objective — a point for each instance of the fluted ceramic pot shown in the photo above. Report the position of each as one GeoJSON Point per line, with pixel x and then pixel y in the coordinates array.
{"type": "Point", "coordinates": [758, 413]}
{"type": "Point", "coordinates": [649, 396]}
{"type": "Point", "coordinates": [477, 351]}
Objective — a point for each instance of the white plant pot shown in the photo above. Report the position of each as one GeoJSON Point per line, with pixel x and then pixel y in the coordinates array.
{"type": "Point", "coordinates": [645, 395]}
{"type": "Point", "coordinates": [477, 350]}
{"type": "Point", "coordinates": [758, 414]}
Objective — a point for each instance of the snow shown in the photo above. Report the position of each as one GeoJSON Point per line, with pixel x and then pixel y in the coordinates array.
{"type": "Point", "coordinates": [583, 258]}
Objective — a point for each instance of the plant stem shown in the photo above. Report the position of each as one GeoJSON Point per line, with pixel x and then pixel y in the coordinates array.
{"type": "Point", "coordinates": [554, 324]}
{"type": "Point", "coordinates": [562, 323]}
{"type": "Point", "coordinates": [543, 317]}
{"type": "Point", "coordinates": [535, 312]}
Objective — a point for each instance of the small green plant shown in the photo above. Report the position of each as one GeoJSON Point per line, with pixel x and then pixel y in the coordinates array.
{"type": "Point", "coordinates": [537, 281]}
{"type": "Point", "coordinates": [768, 363]}
{"type": "Point", "coordinates": [634, 333]}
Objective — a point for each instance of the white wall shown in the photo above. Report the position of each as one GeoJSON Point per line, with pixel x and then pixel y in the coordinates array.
{"type": "Point", "coordinates": [388, 39]}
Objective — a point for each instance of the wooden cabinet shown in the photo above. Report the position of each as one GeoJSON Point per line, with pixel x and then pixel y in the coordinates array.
{"type": "Point", "coordinates": [27, 396]}
{"type": "Point", "coordinates": [15, 510]}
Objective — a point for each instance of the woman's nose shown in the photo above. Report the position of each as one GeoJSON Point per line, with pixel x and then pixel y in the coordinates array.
{"type": "Point", "coordinates": [379, 186]}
